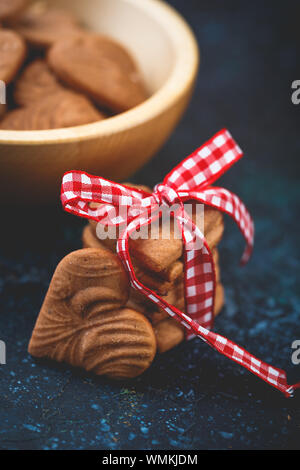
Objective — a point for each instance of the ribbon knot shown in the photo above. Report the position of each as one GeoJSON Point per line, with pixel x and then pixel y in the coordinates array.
{"type": "Point", "coordinates": [165, 195]}
{"type": "Point", "coordinates": [190, 180]}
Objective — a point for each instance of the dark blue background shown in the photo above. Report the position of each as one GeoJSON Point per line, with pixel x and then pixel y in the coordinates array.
{"type": "Point", "coordinates": [191, 398]}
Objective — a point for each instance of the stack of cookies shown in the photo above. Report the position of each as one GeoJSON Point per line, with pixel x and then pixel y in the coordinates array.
{"type": "Point", "coordinates": [84, 320]}
{"type": "Point", "coordinates": [58, 74]}
{"type": "Point", "coordinates": [158, 264]}
{"type": "Point", "coordinates": [92, 319]}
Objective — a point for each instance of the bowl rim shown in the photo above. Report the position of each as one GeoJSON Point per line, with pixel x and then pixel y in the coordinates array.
{"type": "Point", "coordinates": [181, 77]}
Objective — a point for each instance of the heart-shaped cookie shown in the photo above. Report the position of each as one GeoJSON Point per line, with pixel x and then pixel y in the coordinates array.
{"type": "Point", "coordinates": [82, 321]}
{"type": "Point", "coordinates": [12, 54]}
{"type": "Point", "coordinates": [99, 67]}
{"type": "Point", "coordinates": [10, 9]}
{"type": "Point", "coordinates": [35, 83]}
{"type": "Point", "coordinates": [56, 111]}
{"type": "Point", "coordinates": [41, 26]}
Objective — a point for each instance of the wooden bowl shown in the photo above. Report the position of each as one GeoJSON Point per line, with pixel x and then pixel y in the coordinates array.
{"type": "Point", "coordinates": [32, 162]}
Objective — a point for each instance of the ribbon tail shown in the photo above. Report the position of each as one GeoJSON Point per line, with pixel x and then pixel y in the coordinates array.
{"type": "Point", "coordinates": [229, 203]}
{"type": "Point", "coordinates": [101, 200]}
{"type": "Point", "coordinates": [275, 377]}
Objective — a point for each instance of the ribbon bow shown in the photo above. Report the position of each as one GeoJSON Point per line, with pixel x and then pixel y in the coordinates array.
{"type": "Point", "coordinates": [190, 180]}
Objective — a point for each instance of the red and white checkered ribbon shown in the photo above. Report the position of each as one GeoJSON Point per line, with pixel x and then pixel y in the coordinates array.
{"type": "Point", "coordinates": [191, 179]}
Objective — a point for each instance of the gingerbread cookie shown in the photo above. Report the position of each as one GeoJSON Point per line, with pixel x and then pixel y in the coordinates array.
{"type": "Point", "coordinates": [62, 109]}
{"type": "Point", "coordinates": [12, 54]}
{"type": "Point", "coordinates": [82, 321]}
{"type": "Point", "coordinates": [11, 9]}
{"type": "Point", "coordinates": [35, 83]}
{"type": "Point", "coordinates": [168, 332]}
{"type": "Point", "coordinates": [159, 254]}
{"type": "Point", "coordinates": [160, 283]}
{"type": "Point", "coordinates": [41, 26]}
{"type": "Point", "coordinates": [99, 67]}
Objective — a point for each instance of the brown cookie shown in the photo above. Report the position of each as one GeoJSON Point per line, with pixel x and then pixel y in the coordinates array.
{"type": "Point", "coordinates": [82, 321]}
{"type": "Point", "coordinates": [41, 25]}
{"type": "Point", "coordinates": [154, 254]}
{"type": "Point", "coordinates": [173, 298]}
{"type": "Point", "coordinates": [151, 280]}
{"type": "Point", "coordinates": [35, 83]}
{"type": "Point", "coordinates": [173, 294]}
{"type": "Point", "coordinates": [60, 110]}
{"type": "Point", "coordinates": [12, 54]}
{"type": "Point", "coordinates": [99, 67]}
{"type": "Point", "coordinates": [173, 272]}
{"type": "Point", "coordinates": [11, 9]}
{"type": "Point", "coordinates": [176, 296]}
{"type": "Point", "coordinates": [141, 307]}
{"type": "Point", "coordinates": [169, 333]}
{"type": "Point", "coordinates": [159, 255]}
{"type": "Point", "coordinates": [139, 302]}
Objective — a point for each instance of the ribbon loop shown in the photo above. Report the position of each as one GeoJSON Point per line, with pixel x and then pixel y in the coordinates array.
{"type": "Point", "coordinates": [206, 164]}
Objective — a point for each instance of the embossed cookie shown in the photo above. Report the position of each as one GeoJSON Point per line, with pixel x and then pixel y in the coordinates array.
{"type": "Point", "coordinates": [99, 67]}
{"type": "Point", "coordinates": [11, 9]}
{"type": "Point", "coordinates": [12, 54]}
{"type": "Point", "coordinates": [35, 83]}
{"type": "Point", "coordinates": [63, 109]}
{"type": "Point", "coordinates": [82, 321]}
{"type": "Point", "coordinates": [41, 25]}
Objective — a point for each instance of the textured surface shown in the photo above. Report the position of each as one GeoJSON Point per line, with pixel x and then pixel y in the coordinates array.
{"type": "Point", "coordinates": [249, 55]}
